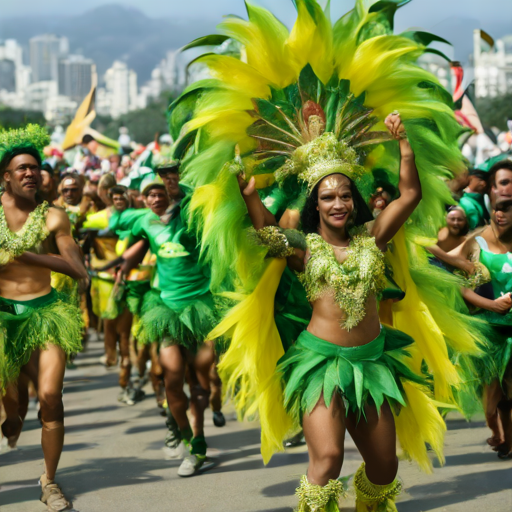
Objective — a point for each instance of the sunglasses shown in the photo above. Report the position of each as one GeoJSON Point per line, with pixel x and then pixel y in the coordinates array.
{"type": "Point", "coordinates": [65, 190]}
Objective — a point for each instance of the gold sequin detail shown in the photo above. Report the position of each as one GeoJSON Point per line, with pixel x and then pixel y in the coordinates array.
{"type": "Point", "coordinates": [323, 156]}
{"type": "Point", "coordinates": [371, 493]}
{"type": "Point", "coordinates": [275, 240]}
{"type": "Point", "coordinates": [479, 277]}
{"type": "Point", "coordinates": [351, 282]}
{"type": "Point", "coordinates": [314, 498]}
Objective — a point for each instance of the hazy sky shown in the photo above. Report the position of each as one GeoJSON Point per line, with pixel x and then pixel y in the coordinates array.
{"type": "Point", "coordinates": [451, 19]}
{"type": "Point", "coordinates": [419, 12]}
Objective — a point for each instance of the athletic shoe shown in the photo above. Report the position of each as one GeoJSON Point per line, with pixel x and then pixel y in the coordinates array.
{"type": "Point", "coordinates": [195, 464]}
{"type": "Point", "coordinates": [124, 397]}
{"type": "Point", "coordinates": [218, 419]}
{"type": "Point", "coordinates": [178, 451]}
{"type": "Point", "coordinates": [136, 394]}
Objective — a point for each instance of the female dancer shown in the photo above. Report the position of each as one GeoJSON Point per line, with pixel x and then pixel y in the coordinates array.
{"type": "Point", "coordinates": [302, 115]}
{"type": "Point", "coordinates": [492, 248]}
{"type": "Point", "coordinates": [344, 329]}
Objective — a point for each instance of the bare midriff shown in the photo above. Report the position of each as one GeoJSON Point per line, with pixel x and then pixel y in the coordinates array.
{"type": "Point", "coordinates": [19, 281]}
{"type": "Point", "coordinates": [327, 315]}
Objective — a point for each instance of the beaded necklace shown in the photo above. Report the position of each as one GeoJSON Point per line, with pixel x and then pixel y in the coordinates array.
{"type": "Point", "coordinates": [33, 233]}
{"type": "Point", "coordinates": [351, 282]}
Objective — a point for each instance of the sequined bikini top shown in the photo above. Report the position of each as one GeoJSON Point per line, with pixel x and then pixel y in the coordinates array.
{"type": "Point", "coordinates": [28, 238]}
{"type": "Point", "coordinates": [351, 282]}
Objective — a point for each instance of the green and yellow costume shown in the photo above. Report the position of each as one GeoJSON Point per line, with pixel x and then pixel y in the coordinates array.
{"type": "Point", "coordinates": [29, 325]}
{"type": "Point", "coordinates": [293, 108]}
{"type": "Point", "coordinates": [54, 318]}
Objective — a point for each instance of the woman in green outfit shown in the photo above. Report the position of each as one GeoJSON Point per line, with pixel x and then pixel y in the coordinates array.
{"type": "Point", "coordinates": [493, 249]}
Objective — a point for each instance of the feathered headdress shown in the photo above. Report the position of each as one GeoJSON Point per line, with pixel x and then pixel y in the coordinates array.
{"type": "Point", "coordinates": [292, 108]}
{"type": "Point", "coordinates": [301, 103]}
{"type": "Point", "coordinates": [31, 139]}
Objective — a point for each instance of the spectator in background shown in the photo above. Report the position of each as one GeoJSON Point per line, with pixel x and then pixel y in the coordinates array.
{"type": "Point", "coordinates": [107, 181]}
{"type": "Point", "coordinates": [124, 141]}
{"type": "Point", "coordinates": [91, 188]}
{"type": "Point", "coordinates": [49, 184]}
{"type": "Point", "coordinates": [73, 200]}
{"type": "Point", "coordinates": [115, 165]}
{"type": "Point", "coordinates": [500, 180]}
{"type": "Point", "coordinates": [90, 148]}
{"type": "Point", "coordinates": [473, 199]}
{"type": "Point", "coordinates": [455, 231]}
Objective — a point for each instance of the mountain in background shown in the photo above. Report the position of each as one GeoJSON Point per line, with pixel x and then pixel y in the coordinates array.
{"type": "Point", "coordinates": [111, 32]}
{"type": "Point", "coordinates": [114, 31]}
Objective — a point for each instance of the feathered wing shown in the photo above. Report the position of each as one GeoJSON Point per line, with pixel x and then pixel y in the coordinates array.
{"type": "Point", "coordinates": [346, 78]}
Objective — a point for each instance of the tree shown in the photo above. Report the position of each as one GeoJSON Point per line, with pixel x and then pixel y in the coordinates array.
{"type": "Point", "coordinates": [495, 111]}
{"type": "Point", "coordinates": [14, 118]}
{"type": "Point", "coordinates": [142, 124]}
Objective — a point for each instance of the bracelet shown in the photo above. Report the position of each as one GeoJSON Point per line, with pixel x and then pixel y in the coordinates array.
{"type": "Point", "coordinates": [281, 243]}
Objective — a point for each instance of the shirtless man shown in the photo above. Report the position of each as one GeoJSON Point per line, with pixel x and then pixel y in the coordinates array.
{"type": "Point", "coordinates": [34, 315]}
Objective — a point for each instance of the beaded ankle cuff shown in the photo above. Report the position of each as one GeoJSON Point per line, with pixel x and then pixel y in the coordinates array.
{"type": "Point", "coordinates": [315, 498]}
{"type": "Point", "coordinates": [372, 497]}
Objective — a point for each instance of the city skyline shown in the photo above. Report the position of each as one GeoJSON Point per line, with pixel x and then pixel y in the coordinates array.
{"type": "Point", "coordinates": [55, 73]}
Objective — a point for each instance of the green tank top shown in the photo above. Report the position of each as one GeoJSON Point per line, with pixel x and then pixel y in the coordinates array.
{"type": "Point", "coordinates": [500, 268]}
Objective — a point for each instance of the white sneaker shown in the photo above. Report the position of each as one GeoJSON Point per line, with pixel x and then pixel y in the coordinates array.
{"type": "Point", "coordinates": [4, 446]}
{"type": "Point", "coordinates": [177, 452]}
{"type": "Point", "coordinates": [124, 398]}
{"type": "Point", "coordinates": [195, 464]}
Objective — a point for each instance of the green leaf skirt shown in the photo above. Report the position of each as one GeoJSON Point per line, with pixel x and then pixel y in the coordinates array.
{"type": "Point", "coordinates": [185, 324]}
{"type": "Point", "coordinates": [370, 373]}
{"type": "Point", "coordinates": [25, 326]}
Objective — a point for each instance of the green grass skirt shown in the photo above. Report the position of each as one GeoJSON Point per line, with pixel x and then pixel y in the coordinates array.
{"type": "Point", "coordinates": [187, 325]}
{"type": "Point", "coordinates": [370, 373]}
{"type": "Point", "coordinates": [29, 325]}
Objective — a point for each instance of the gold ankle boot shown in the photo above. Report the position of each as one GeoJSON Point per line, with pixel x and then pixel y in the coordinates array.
{"type": "Point", "coordinates": [375, 498]}
{"type": "Point", "coordinates": [315, 498]}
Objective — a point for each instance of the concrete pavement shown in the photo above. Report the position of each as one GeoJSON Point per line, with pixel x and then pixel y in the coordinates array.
{"type": "Point", "coordinates": [112, 461]}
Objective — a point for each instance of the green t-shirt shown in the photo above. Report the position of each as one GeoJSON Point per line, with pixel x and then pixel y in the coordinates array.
{"type": "Point", "coordinates": [180, 277]}
{"type": "Point", "coordinates": [121, 223]}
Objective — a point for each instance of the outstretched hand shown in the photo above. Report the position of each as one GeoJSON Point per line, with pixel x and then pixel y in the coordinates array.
{"type": "Point", "coordinates": [395, 126]}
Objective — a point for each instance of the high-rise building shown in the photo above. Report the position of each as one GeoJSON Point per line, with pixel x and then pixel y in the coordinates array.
{"type": "Point", "coordinates": [11, 51]}
{"type": "Point", "coordinates": [120, 94]}
{"type": "Point", "coordinates": [45, 52]}
{"type": "Point", "coordinates": [493, 68]}
{"type": "Point", "coordinates": [76, 77]}
{"type": "Point", "coordinates": [7, 75]}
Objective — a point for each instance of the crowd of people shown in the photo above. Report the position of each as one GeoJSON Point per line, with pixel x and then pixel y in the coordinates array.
{"type": "Point", "coordinates": [284, 257]}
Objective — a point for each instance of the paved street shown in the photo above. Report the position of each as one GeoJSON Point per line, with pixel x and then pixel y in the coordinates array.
{"type": "Point", "coordinates": [113, 461]}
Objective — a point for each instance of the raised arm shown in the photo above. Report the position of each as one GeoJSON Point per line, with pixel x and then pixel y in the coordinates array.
{"type": "Point", "coordinates": [398, 211]}
{"type": "Point", "coordinates": [260, 216]}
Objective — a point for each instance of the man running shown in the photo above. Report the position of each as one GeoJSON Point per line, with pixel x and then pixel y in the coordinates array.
{"type": "Point", "coordinates": [33, 315]}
